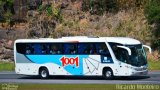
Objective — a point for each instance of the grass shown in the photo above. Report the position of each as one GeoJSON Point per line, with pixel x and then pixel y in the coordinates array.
{"type": "Point", "coordinates": [65, 87]}
{"type": "Point", "coordinates": [77, 87]}
{"type": "Point", "coordinates": [6, 66]}
{"type": "Point", "coordinates": [153, 65]}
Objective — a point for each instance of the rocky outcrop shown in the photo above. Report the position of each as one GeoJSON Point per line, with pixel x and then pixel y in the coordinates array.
{"type": "Point", "coordinates": [6, 50]}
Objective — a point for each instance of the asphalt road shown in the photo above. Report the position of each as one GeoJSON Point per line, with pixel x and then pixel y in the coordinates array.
{"type": "Point", "coordinates": [10, 77]}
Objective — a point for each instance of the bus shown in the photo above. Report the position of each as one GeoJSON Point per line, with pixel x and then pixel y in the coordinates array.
{"type": "Point", "coordinates": [81, 55]}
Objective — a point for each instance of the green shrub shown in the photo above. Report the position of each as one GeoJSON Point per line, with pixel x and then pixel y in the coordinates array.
{"type": "Point", "coordinates": [152, 12]}
{"type": "Point", "coordinates": [49, 10]}
{"type": "Point", "coordinates": [6, 10]}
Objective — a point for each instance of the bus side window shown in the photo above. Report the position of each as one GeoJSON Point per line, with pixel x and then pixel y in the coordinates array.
{"type": "Point", "coordinates": [20, 47]}
{"type": "Point", "coordinates": [52, 49]}
{"type": "Point", "coordinates": [59, 49]}
{"type": "Point", "coordinates": [55, 48]}
{"type": "Point", "coordinates": [73, 49]}
{"type": "Point", "coordinates": [29, 49]}
{"type": "Point", "coordinates": [37, 48]}
{"type": "Point", "coordinates": [43, 48]}
{"type": "Point", "coordinates": [102, 49]}
{"type": "Point", "coordinates": [70, 48]}
{"type": "Point", "coordinates": [80, 48]}
{"type": "Point", "coordinates": [86, 48]}
{"type": "Point", "coordinates": [91, 48]}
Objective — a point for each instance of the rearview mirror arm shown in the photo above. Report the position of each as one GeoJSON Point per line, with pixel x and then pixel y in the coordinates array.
{"type": "Point", "coordinates": [128, 49]}
{"type": "Point", "coordinates": [150, 50]}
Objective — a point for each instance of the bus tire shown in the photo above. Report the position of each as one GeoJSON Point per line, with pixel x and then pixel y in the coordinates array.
{"type": "Point", "coordinates": [43, 73]}
{"type": "Point", "coordinates": [108, 74]}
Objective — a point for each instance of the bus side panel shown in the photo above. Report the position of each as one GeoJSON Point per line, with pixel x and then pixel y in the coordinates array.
{"type": "Point", "coordinates": [33, 69]}
{"type": "Point", "coordinates": [87, 64]}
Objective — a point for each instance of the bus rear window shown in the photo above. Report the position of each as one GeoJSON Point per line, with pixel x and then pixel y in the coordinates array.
{"type": "Point", "coordinates": [21, 48]}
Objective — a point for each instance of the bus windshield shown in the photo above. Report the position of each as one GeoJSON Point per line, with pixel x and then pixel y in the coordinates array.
{"type": "Point", "coordinates": [137, 57]}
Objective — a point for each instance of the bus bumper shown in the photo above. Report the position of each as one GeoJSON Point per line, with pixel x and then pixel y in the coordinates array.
{"type": "Point", "coordinates": [139, 73]}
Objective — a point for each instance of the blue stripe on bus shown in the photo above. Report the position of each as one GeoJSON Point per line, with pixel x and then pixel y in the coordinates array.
{"type": "Point", "coordinates": [42, 59]}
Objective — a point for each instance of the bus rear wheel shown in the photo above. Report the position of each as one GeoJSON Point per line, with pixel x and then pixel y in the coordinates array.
{"type": "Point", "coordinates": [43, 73]}
{"type": "Point", "coordinates": [108, 74]}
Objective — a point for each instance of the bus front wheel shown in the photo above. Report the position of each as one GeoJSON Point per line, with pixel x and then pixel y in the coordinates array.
{"type": "Point", "coordinates": [43, 73]}
{"type": "Point", "coordinates": [108, 74]}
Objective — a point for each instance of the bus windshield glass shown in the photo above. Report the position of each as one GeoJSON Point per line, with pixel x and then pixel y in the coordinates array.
{"type": "Point", "coordinates": [137, 57]}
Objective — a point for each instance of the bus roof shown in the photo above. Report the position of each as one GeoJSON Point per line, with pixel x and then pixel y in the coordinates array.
{"type": "Point", "coordinates": [121, 40]}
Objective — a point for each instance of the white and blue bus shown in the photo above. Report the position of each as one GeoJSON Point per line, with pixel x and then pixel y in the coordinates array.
{"type": "Point", "coordinates": [80, 55]}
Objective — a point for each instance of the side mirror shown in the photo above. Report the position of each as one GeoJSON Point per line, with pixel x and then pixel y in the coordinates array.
{"type": "Point", "coordinates": [150, 50]}
{"type": "Point", "coordinates": [128, 49]}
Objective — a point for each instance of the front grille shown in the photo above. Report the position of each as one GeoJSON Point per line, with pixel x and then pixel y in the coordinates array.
{"type": "Point", "coordinates": [141, 68]}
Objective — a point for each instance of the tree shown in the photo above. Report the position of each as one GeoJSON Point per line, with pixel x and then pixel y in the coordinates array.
{"type": "Point", "coordinates": [6, 11]}
{"type": "Point", "coordinates": [152, 12]}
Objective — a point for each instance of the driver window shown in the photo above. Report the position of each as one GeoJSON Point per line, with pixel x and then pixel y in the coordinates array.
{"type": "Point", "coordinates": [103, 50]}
{"type": "Point", "coordinates": [120, 53]}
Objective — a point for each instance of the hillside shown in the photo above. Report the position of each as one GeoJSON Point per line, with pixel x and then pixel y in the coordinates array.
{"type": "Point", "coordinates": [57, 18]}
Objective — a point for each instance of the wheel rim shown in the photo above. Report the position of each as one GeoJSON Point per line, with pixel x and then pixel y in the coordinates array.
{"type": "Point", "coordinates": [108, 74]}
{"type": "Point", "coordinates": [44, 73]}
